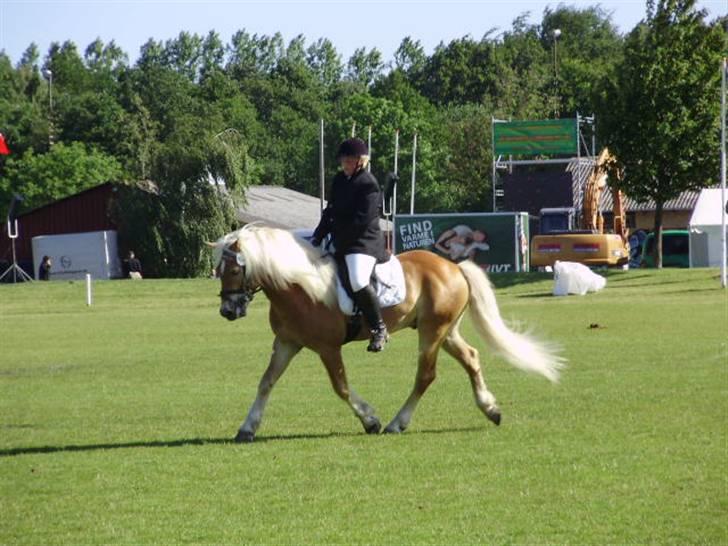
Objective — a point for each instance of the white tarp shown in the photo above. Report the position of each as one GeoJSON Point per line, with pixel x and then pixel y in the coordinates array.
{"type": "Point", "coordinates": [705, 226]}
{"type": "Point", "coordinates": [575, 278]}
{"type": "Point", "coordinates": [75, 254]}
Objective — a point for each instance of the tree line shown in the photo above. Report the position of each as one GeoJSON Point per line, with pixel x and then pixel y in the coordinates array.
{"type": "Point", "coordinates": [193, 110]}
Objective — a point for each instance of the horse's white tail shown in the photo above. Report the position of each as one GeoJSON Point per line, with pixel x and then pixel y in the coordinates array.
{"type": "Point", "coordinates": [519, 349]}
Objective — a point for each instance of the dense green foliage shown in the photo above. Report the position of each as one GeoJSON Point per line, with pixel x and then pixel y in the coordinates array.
{"type": "Point", "coordinates": [661, 114]}
{"type": "Point", "coordinates": [116, 424]}
{"type": "Point", "coordinates": [162, 117]}
{"type": "Point", "coordinates": [64, 170]}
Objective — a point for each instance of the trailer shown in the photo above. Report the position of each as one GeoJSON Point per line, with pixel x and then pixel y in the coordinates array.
{"type": "Point", "coordinates": [73, 255]}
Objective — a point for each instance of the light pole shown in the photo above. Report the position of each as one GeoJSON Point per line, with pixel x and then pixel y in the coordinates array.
{"type": "Point", "coordinates": [48, 74]}
{"type": "Point", "coordinates": [556, 33]}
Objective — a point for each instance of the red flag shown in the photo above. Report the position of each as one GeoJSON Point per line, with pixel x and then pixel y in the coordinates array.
{"type": "Point", "coordinates": [3, 147]}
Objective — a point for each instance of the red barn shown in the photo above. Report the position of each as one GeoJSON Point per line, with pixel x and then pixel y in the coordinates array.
{"type": "Point", "coordinates": [88, 210]}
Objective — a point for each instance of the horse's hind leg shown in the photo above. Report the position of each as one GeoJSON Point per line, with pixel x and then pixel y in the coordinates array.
{"type": "Point", "coordinates": [459, 349]}
{"type": "Point", "coordinates": [426, 373]}
{"type": "Point", "coordinates": [335, 367]}
{"type": "Point", "coordinates": [283, 352]}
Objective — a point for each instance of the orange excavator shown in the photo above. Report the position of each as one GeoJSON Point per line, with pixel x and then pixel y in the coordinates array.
{"type": "Point", "coordinates": [588, 244]}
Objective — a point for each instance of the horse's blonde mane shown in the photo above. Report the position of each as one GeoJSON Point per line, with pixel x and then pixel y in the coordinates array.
{"type": "Point", "coordinates": [278, 259]}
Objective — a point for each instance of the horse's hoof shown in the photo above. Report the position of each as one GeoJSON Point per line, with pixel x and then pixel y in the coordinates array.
{"type": "Point", "coordinates": [374, 427]}
{"type": "Point", "coordinates": [392, 429]}
{"type": "Point", "coordinates": [244, 437]}
{"type": "Point", "coordinates": [494, 415]}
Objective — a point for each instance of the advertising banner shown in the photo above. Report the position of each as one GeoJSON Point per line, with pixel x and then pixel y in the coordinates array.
{"type": "Point", "coordinates": [498, 242]}
{"type": "Point", "coordinates": [545, 137]}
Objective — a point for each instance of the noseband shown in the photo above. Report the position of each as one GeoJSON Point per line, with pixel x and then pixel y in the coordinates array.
{"type": "Point", "coordinates": [244, 290]}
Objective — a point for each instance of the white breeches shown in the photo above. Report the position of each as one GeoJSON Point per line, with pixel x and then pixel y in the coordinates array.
{"type": "Point", "coordinates": [360, 267]}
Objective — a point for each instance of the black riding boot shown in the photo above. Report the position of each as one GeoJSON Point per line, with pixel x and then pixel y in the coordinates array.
{"type": "Point", "coordinates": [366, 300]}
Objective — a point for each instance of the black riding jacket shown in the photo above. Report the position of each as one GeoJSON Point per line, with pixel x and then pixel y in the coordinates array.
{"type": "Point", "coordinates": [352, 216]}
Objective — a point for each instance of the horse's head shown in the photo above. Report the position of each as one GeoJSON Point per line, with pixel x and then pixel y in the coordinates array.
{"type": "Point", "coordinates": [236, 292]}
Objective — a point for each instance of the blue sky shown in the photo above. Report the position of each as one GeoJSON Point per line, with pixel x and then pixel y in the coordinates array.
{"type": "Point", "coordinates": [348, 24]}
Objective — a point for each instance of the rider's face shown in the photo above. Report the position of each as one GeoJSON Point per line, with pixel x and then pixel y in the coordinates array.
{"type": "Point", "coordinates": [349, 165]}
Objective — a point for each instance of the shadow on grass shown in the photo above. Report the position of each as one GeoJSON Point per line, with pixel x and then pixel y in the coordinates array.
{"type": "Point", "coordinates": [97, 447]}
{"type": "Point", "coordinates": [536, 295]}
{"type": "Point", "coordinates": [621, 276]}
{"type": "Point", "coordinates": [15, 451]}
{"type": "Point", "coordinates": [506, 280]}
{"type": "Point", "coordinates": [717, 288]}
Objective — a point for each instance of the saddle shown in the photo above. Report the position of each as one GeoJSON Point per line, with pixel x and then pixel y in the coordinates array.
{"type": "Point", "coordinates": [387, 281]}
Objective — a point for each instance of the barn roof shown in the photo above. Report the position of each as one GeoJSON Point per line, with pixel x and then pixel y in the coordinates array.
{"type": "Point", "coordinates": [580, 170]}
{"type": "Point", "coordinates": [280, 207]}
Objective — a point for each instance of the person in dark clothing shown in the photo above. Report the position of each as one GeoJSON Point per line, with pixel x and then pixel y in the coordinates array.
{"type": "Point", "coordinates": [352, 219]}
{"type": "Point", "coordinates": [44, 271]}
{"type": "Point", "coordinates": [134, 266]}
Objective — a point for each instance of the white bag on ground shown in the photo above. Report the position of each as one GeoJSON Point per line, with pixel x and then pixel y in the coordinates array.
{"type": "Point", "coordinates": [574, 278]}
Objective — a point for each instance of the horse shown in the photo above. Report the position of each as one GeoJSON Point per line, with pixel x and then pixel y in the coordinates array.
{"type": "Point", "coordinates": [300, 285]}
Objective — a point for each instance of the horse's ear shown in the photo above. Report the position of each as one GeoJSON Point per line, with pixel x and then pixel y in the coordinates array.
{"type": "Point", "coordinates": [211, 245]}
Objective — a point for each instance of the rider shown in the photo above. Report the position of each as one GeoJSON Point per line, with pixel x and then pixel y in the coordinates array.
{"type": "Point", "coordinates": [352, 219]}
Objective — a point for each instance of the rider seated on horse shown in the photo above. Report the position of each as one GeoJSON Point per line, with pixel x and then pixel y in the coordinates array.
{"type": "Point", "coordinates": [352, 219]}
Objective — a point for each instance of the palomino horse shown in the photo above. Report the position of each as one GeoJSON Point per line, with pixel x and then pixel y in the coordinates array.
{"type": "Point", "coordinates": [304, 312]}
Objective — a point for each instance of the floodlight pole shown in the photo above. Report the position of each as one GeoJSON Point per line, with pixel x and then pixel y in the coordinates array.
{"type": "Point", "coordinates": [724, 251]}
{"type": "Point", "coordinates": [369, 147]}
{"type": "Point", "coordinates": [414, 175]}
{"type": "Point", "coordinates": [48, 74]}
{"type": "Point", "coordinates": [322, 182]}
{"type": "Point", "coordinates": [492, 153]}
{"type": "Point", "coordinates": [556, 33]}
{"type": "Point", "coordinates": [392, 212]}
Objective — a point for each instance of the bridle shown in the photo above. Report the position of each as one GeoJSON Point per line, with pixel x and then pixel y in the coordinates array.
{"type": "Point", "coordinates": [245, 290]}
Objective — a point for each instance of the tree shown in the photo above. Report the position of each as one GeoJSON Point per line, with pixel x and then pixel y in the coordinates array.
{"type": "Point", "coordinates": [69, 72]}
{"type": "Point", "coordinates": [104, 58]}
{"type": "Point", "coordinates": [660, 115]}
{"type": "Point", "coordinates": [589, 47]}
{"type": "Point", "coordinates": [66, 169]}
{"type": "Point", "coordinates": [213, 55]}
{"type": "Point", "coordinates": [458, 73]}
{"type": "Point", "coordinates": [466, 166]}
{"type": "Point", "coordinates": [364, 68]}
{"type": "Point", "coordinates": [410, 56]}
{"type": "Point", "coordinates": [522, 74]}
{"type": "Point", "coordinates": [184, 54]}
{"type": "Point", "coordinates": [23, 108]}
{"type": "Point", "coordinates": [190, 206]}
{"type": "Point", "coordinates": [325, 62]}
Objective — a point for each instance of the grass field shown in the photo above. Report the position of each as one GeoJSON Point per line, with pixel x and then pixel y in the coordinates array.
{"type": "Point", "coordinates": [115, 423]}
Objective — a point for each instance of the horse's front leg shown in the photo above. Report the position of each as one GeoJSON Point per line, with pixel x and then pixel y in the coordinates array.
{"type": "Point", "coordinates": [335, 367]}
{"type": "Point", "coordinates": [283, 352]}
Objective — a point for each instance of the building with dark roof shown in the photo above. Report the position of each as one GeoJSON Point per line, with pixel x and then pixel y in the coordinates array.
{"type": "Point", "coordinates": [88, 210]}
{"type": "Point", "coordinates": [535, 189]}
{"type": "Point", "coordinates": [281, 207]}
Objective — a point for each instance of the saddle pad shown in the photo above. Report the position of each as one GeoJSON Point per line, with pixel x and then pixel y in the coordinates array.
{"type": "Point", "coordinates": [389, 285]}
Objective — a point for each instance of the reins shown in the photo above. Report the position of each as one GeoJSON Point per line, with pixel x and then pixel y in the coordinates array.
{"type": "Point", "coordinates": [243, 290]}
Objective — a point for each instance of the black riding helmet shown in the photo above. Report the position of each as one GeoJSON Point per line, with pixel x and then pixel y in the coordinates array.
{"type": "Point", "coordinates": [352, 147]}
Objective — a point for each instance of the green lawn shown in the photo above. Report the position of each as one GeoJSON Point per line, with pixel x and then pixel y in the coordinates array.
{"type": "Point", "coordinates": [115, 423]}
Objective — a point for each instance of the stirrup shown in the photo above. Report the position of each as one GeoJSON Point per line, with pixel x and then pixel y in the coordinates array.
{"type": "Point", "coordinates": [379, 338]}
